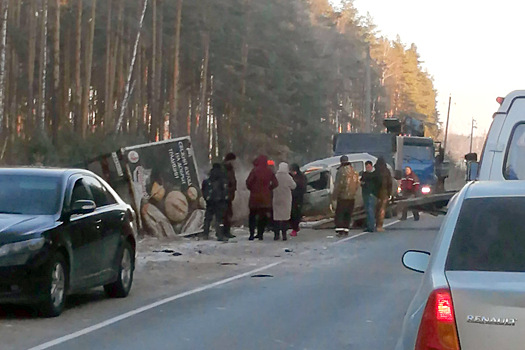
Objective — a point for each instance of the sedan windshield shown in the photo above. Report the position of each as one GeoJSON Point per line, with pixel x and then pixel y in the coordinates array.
{"type": "Point", "coordinates": [29, 194]}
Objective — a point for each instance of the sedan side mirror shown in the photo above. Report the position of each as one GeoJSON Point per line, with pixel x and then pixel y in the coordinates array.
{"type": "Point", "coordinates": [83, 207]}
{"type": "Point", "coordinates": [416, 260]}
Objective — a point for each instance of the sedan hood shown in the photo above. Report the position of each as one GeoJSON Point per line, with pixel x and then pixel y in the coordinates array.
{"type": "Point", "coordinates": [13, 226]}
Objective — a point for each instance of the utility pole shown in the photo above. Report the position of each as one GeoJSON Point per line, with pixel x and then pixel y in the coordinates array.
{"type": "Point", "coordinates": [368, 93]}
{"type": "Point", "coordinates": [446, 127]}
{"type": "Point", "coordinates": [472, 133]}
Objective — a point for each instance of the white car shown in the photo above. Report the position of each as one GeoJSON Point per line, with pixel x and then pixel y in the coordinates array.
{"type": "Point", "coordinates": [320, 178]}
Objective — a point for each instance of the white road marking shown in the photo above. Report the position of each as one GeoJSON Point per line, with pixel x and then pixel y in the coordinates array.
{"type": "Point", "coordinates": [139, 310]}
{"type": "Point", "coordinates": [365, 232]}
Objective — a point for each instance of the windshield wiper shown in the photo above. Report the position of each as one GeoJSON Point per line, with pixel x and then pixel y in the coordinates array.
{"type": "Point", "coordinates": [10, 212]}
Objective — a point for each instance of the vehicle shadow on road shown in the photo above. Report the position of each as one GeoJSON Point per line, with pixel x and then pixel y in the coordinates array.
{"type": "Point", "coordinates": [21, 312]}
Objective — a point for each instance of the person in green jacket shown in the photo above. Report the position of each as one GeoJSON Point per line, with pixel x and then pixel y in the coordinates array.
{"type": "Point", "coordinates": [346, 186]}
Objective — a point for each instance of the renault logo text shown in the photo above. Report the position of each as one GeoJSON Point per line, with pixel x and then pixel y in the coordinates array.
{"type": "Point", "coordinates": [495, 321]}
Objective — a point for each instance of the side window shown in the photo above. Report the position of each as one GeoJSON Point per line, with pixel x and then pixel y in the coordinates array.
{"type": "Point", "coordinates": [358, 167]}
{"type": "Point", "coordinates": [318, 181]}
{"type": "Point", "coordinates": [100, 194]}
{"type": "Point", "coordinates": [80, 192]}
{"type": "Point", "coordinates": [514, 167]}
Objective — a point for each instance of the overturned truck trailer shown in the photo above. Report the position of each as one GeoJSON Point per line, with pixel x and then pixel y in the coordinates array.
{"type": "Point", "coordinates": [161, 181]}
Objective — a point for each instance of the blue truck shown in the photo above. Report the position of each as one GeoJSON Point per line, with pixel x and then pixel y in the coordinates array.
{"type": "Point", "coordinates": [403, 145]}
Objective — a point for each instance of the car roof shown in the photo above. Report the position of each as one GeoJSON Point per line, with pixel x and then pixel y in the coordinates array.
{"type": "Point", "coordinates": [509, 99]}
{"type": "Point", "coordinates": [42, 171]}
{"type": "Point", "coordinates": [334, 161]}
{"type": "Point", "coordinates": [484, 189]}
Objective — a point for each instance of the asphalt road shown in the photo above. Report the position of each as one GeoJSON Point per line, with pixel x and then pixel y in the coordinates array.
{"type": "Point", "coordinates": [351, 295]}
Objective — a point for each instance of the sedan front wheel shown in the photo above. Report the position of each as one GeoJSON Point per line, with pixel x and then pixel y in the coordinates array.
{"type": "Point", "coordinates": [55, 287]}
{"type": "Point", "coordinates": [121, 287]}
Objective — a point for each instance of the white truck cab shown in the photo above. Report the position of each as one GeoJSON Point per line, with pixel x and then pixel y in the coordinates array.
{"type": "Point", "coordinates": [503, 156]}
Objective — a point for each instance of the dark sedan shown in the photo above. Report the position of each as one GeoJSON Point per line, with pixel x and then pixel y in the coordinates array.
{"type": "Point", "coordinates": [62, 231]}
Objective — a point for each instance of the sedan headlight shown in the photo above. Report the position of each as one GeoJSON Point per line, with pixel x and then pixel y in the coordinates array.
{"type": "Point", "coordinates": [22, 247]}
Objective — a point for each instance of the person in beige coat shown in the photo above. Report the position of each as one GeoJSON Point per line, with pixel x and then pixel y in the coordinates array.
{"type": "Point", "coordinates": [282, 201]}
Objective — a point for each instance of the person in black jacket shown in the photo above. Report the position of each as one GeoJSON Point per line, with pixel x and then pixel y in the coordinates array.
{"type": "Point", "coordinates": [232, 187]}
{"type": "Point", "coordinates": [297, 198]}
{"type": "Point", "coordinates": [384, 194]}
{"type": "Point", "coordinates": [215, 192]}
{"type": "Point", "coordinates": [370, 184]}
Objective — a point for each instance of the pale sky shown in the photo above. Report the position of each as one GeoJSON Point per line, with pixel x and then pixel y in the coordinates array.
{"type": "Point", "coordinates": [473, 49]}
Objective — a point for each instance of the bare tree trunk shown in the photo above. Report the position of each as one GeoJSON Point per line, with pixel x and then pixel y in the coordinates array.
{"type": "Point", "coordinates": [78, 52]}
{"type": "Point", "coordinates": [107, 85]}
{"type": "Point", "coordinates": [174, 103]}
{"type": "Point", "coordinates": [138, 101]}
{"type": "Point", "coordinates": [245, 49]}
{"type": "Point", "coordinates": [30, 122]}
{"type": "Point", "coordinates": [194, 97]}
{"type": "Point", "coordinates": [140, 92]}
{"type": "Point", "coordinates": [159, 96]}
{"type": "Point", "coordinates": [236, 115]}
{"type": "Point", "coordinates": [154, 110]}
{"type": "Point", "coordinates": [43, 71]}
{"type": "Point", "coordinates": [3, 48]}
{"type": "Point", "coordinates": [55, 100]}
{"type": "Point", "coordinates": [130, 72]}
{"type": "Point", "coordinates": [87, 75]}
{"type": "Point", "coordinates": [12, 92]}
{"type": "Point", "coordinates": [66, 78]}
{"type": "Point", "coordinates": [113, 68]}
{"type": "Point", "coordinates": [203, 112]}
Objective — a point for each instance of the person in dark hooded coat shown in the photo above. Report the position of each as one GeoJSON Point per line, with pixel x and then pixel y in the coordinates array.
{"type": "Point", "coordinates": [260, 183]}
{"type": "Point", "coordinates": [215, 192]}
{"type": "Point", "coordinates": [298, 198]}
{"type": "Point", "coordinates": [385, 191]}
{"type": "Point", "coordinates": [232, 187]}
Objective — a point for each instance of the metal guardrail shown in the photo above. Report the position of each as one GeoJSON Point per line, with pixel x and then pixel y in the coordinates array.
{"type": "Point", "coordinates": [434, 204]}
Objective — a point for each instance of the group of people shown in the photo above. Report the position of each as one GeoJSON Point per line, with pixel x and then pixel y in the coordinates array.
{"type": "Point", "coordinates": [376, 185]}
{"type": "Point", "coordinates": [276, 198]}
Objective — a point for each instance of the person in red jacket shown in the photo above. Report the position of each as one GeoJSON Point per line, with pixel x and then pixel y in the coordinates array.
{"type": "Point", "coordinates": [410, 189]}
{"type": "Point", "coordinates": [260, 183]}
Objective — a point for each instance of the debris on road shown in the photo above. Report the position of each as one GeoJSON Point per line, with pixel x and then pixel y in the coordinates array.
{"type": "Point", "coordinates": [261, 276]}
{"type": "Point", "coordinates": [169, 251]}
